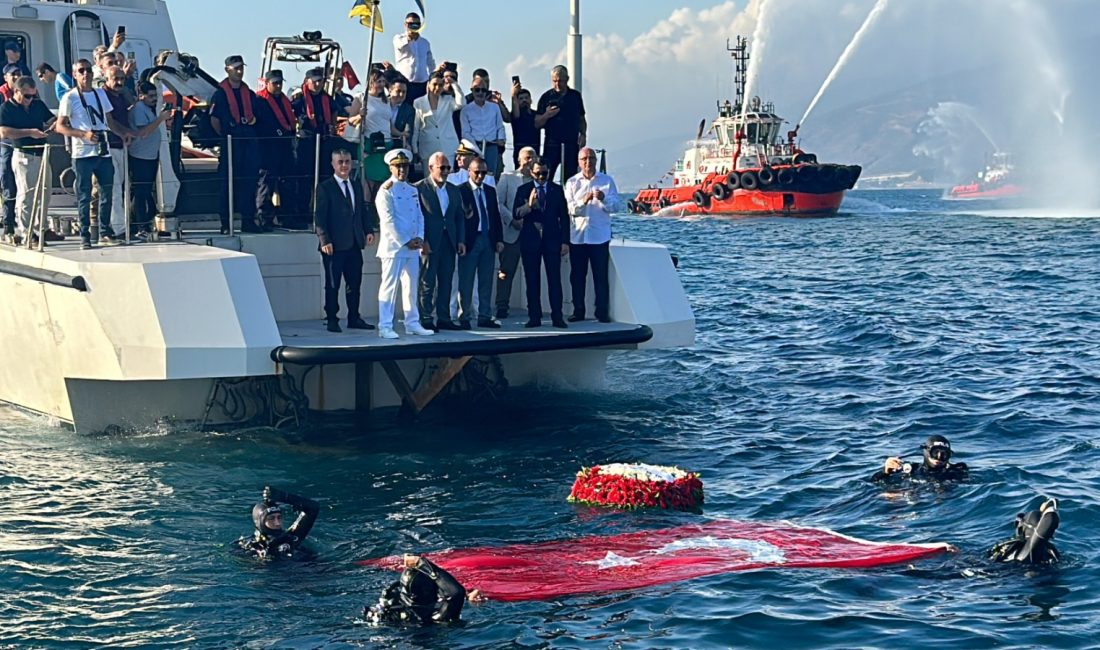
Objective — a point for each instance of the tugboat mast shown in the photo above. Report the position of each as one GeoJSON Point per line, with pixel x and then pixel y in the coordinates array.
{"type": "Point", "coordinates": [740, 54]}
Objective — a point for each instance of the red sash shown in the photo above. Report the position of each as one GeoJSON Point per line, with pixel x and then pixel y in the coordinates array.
{"type": "Point", "coordinates": [283, 115]}
{"type": "Point", "coordinates": [326, 108]}
{"type": "Point", "coordinates": [246, 99]}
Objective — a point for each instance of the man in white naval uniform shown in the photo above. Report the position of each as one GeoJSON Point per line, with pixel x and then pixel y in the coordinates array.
{"type": "Point", "coordinates": [400, 240]}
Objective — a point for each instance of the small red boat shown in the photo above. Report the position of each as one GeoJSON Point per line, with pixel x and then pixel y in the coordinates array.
{"type": "Point", "coordinates": [743, 167]}
{"type": "Point", "coordinates": [993, 183]}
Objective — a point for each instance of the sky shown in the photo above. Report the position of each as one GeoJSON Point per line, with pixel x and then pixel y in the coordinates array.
{"type": "Point", "coordinates": [654, 68]}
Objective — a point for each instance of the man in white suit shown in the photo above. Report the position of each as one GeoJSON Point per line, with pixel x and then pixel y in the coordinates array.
{"type": "Point", "coordinates": [401, 238]}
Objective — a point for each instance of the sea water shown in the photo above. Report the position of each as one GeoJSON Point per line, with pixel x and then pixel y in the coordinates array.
{"type": "Point", "coordinates": [823, 346]}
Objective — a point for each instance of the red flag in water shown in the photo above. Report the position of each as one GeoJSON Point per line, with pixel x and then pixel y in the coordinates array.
{"type": "Point", "coordinates": [642, 559]}
{"type": "Point", "coordinates": [351, 80]}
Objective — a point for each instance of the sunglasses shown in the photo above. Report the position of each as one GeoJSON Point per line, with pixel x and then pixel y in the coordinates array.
{"type": "Point", "coordinates": [412, 25]}
{"type": "Point", "coordinates": [83, 70]}
{"type": "Point", "coordinates": [539, 174]}
{"type": "Point", "coordinates": [480, 91]}
{"type": "Point", "coordinates": [478, 173]}
{"type": "Point", "coordinates": [444, 168]}
{"type": "Point", "coordinates": [27, 96]}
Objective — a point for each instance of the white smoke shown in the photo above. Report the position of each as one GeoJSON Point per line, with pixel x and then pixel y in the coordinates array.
{"type": "Point", "coordinates": [953, 136]}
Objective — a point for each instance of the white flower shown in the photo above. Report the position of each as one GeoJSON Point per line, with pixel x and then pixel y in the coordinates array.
{"type": "Point", "coordinates": [644, 472]}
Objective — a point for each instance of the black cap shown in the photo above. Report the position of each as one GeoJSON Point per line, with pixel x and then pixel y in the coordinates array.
{"type": "Point", "coordinates": [234, 60]}
{"type": "Point", "coordinates": [273, 75]}
{"type": "Point", "coordinates": [12, 46]}
{"type": "Point", "coordinates": [12, 68]}
{"type": "Point", "coordinates": [315, 74]}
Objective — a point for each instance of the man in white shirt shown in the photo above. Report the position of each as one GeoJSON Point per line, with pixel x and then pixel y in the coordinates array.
{"type": "Point", "coordinates": [412, 56]}
{"type": "Point", "coordinates": [591, 198]}
{"type": "Point", "coordinates": [85, 116]}
{"type": "Point", "coordinates": [483, 125]}
{"type": "Point", "coordinates": [509, 183]}
{"type": "Point", "coordinates": [400, 241]}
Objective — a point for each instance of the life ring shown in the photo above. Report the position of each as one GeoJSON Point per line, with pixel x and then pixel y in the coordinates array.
{"type": "Point", "coordinates": [804, 158]}
{"type": "Point", "coordinates": [721, 191]}
{"type": "Point", "coordinates": [749, 180]}
{"type": "Point", "coordinates": [766, 176]}
{"type": "Point", "coordinates": [663, 202]}
{"type": "Point", "coordinates": [701, 198]}
{"type": "Point", "coordinates": [786, 176]}
{"type": "Point", "coordinates": [733, 180]}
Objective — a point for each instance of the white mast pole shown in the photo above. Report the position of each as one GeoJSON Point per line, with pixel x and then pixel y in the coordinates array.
{"type": "Point", "coordinates": [573, 44]}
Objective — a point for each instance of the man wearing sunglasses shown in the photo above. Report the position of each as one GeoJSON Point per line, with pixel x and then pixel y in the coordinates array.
{"type": "Point", "coordinates": [482, 124]}
{"type": "Point", "coordinates": [25, 121]}
{"type": "Point", "coordinates": [85, 117]}
{"type": "Point", "coordinates": [543, 241]}
{"type": "Point", "coordinates": [412, 57]}
{"type": "Point", "coordinates": [936, 466]}
{"type": "Point", "coordinates": [444, 239]}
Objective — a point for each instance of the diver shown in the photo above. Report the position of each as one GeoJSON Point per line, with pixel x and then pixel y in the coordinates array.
{"type": "Point", "coordinates": [423, 595]}
{"type": "Point", "coordinates": [1032, 543]}
{"type": "Point", "coordinates": [270, 539]}
{"type": "Point", "coordinates": [937, 465]}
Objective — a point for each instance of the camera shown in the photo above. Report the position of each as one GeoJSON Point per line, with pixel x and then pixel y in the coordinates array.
{"type": "Point", "coordinates": [101, 148]}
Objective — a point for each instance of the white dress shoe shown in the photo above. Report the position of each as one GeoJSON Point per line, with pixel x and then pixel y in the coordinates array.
{"type": "Point", "coordinates": [419, 330]}
{"type": "Point", "coordinates": [387, 333]}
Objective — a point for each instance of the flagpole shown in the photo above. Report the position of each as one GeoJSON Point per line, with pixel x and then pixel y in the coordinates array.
{"type": "Point", "coordinates": [366, 94]}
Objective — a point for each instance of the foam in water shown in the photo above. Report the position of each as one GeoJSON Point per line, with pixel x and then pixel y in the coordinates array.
{"type": "Point", "coordinates": [879, 7]}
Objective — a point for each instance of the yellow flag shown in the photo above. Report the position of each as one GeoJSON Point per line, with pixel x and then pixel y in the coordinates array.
{"type": "Point", "coordinates": [367, 12]}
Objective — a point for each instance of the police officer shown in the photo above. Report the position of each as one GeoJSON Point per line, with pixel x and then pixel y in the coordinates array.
{"type": "Point", "coordinates": [400, 244]}
{"type": "Point", "coordinates": [316, 112]}
{"type": "Point", "coordinates": [275, 125]}
{"type": "Point", "coordinates": [233, 113]}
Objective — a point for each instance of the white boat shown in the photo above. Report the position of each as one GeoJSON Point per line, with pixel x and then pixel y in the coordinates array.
{"type": "Point", "coordinates": [215, 329]}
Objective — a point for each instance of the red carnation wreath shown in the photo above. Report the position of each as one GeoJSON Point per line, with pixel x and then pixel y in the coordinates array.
{"type": "Point", "coordinates": [637, 485]}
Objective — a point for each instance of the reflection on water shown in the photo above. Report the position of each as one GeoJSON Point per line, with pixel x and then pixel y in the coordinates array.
{"type": "Point", "coordinates": [824, 345]}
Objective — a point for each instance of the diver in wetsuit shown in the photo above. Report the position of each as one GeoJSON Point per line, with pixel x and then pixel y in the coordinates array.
{"type": "Point", "coordinates": [270, 540]}
{"type": "Point", "coordinates": [1032, 543]}
{"type": "Point", "coordinates": [937, 465]}
{"type": "Point", "coordinates": [424, 594]}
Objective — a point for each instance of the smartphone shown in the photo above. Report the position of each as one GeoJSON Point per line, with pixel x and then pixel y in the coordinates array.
{"type": "Point", "coordinates": [131, 55]}
{"type": "Point", "coordinates": [122, 29]}
{"type": "Point", "coordinates": [450, 65]}
{"type": "Point", "coordinates": [515, 80]}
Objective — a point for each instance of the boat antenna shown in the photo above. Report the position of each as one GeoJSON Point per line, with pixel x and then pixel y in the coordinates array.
{"type": "Point", "coordinates": [702, 125]}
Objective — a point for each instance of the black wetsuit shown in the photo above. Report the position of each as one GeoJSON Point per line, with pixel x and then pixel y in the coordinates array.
{"type": "Point", "coordinates": [921, 472]}
{"type": "Point", "coordinates": [425, 594]}
{"type": "Point", "coordinates": [284, 543]}
{"type": "Point", "coordinates": [1008, 551]}
{"type": "Point", "coordinates": [1032, 543]}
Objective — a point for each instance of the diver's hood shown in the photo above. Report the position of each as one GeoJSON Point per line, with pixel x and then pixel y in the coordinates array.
{"type": "Point", "coordinates": [260, 511]}
{"type": "Point", "coordinates": [1036, 531]}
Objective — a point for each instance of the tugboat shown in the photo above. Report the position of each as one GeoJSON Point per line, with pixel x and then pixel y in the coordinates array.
{"type": "Point", "coordinates": [996, 182]}
{"type": "Point", "coordinates": [743, 167]}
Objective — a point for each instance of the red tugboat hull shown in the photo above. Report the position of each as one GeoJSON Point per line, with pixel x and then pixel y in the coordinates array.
{"type": "Point", "coordinates": [975, 191]}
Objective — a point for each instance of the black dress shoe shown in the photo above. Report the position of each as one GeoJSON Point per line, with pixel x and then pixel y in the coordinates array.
{"type": "Point", "coordinates": [333, 325]}
{"type": "Point", "coordinates": [464, 325]}
{"type": "Point", "coordinates": [533, 323]}
{"type": "Point", "coordinates": [560, 324]}
{"type": "Point", "coordinates": [359, 324]}
{"type": "Point", "coordinates": [250, 226]}
{"type": "Point", "coordinates": [575, 318]}
{"type": "Point", "coordinates": [604, 319]}
{"type": "Point", "coordinates": [502, 314]}
{"type": "Point", "coordinates": [489, 323]}
{"type": "Point", "coordinates": [446, 325]}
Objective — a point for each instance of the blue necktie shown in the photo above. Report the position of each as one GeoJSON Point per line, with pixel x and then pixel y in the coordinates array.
{"type": "Point", "coordinates": [482, 210]}
{"type": "Point", "coordinates": [542, 197]}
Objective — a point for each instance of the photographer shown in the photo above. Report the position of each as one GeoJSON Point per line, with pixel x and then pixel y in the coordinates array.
{"type": "Point", "coordinates": [561, 113]}
{"type": "Point", "coordinates": [85, 116]}
{"type": "Point", "coordinates": [145, 156]}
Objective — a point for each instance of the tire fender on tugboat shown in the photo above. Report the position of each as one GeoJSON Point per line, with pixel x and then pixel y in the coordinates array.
{"type": "Point", "coordinates": [786, 176]}
{"type": "Point", "coordinates": [733, 180]}
{"type": "Point", "coordinates": [721, 191]}
{"type": "Point", "coordinates": [701, 198]}
{"type": "Point", "coordinates": [749, 180]}
{"type": "Point", "coordinates": [766, 176]}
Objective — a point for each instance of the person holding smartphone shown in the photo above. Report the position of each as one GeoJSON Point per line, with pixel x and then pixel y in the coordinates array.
{"type": "Point", "coordinates": [26, 121]}
{"type": "Point", "coordinates": [412, 57]}
{"type": "Point", "coordinates": [524, 131]}
{"type": "Point", "coordinates": [561, 116]}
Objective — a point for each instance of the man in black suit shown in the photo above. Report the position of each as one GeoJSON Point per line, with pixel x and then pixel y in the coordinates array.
{"type": "Point", "coordinates": [543, 240]}
{"type": "Point", "coordinates": [444, 236]}
{"type": "Point", "coordinates": [484, 239]}
{"type": "Point", "coordinates": [344, 228]}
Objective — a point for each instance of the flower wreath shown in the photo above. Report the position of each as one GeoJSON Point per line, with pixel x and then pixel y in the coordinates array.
{"type": "Point", "coordinates": [637, 485]}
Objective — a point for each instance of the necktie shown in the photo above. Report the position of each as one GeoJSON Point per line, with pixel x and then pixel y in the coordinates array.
{"type": "Point", "coordinates": [347, 195]}
{"type": "Point", "coordinates": [542, 196]}
{"type": "Point", "coordinates": [484, 223]}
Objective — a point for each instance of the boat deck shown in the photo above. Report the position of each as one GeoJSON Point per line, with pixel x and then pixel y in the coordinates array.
{"type": "Point", "coordinates": [308, 343]}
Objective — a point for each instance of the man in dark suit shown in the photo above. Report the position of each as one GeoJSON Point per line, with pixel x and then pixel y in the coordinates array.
{"type": "Point", "coordinates": [444, 236]}
{"type": "Point", "coordinates": [344, 229]}
{"type": "Point", "coordinates": [484, 239]}
{"type": "Point", "coordinates": [543, 240]}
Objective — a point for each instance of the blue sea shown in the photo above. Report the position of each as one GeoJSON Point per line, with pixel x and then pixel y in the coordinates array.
{"type": "Point", "coordinates": [824, 345]}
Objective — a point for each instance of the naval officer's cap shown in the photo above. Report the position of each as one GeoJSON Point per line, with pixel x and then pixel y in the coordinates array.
{"type": "Point", "coordinates": [398, 157]}
{"type": "Point", "coordinates": [467, 148]}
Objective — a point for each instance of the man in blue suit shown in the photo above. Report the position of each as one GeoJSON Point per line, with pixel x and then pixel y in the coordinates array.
{"type": "Point", "coordinates": [444, 238]}
{"type": "Point", "coordinates": [543, 241]}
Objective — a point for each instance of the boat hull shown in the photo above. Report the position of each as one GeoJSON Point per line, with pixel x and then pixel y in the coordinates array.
{"type": "Point", "coordinates": [679, 201]}
{"type": "Point", "coordinates": [976, 192]}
